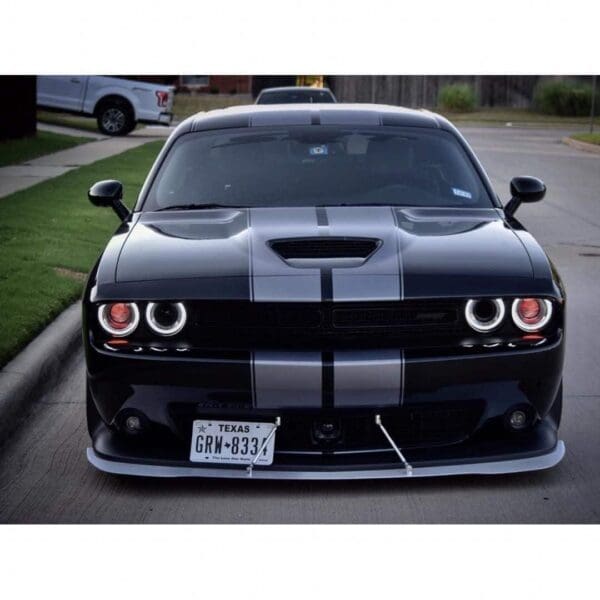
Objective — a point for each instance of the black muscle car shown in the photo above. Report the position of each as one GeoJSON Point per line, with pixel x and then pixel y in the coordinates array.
{"type": "Point", "coordinates": [322, 292]}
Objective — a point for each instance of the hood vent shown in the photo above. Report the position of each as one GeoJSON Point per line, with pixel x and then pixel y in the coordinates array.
{"type": "Point", "coordinates": [313, 251]}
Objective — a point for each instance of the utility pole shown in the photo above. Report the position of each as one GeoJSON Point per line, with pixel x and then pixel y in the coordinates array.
{"type": "Point", "coordinates": [593, 104]}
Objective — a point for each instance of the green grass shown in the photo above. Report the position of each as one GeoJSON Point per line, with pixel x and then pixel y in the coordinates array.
{"type": "Point", "coordinates": [50, 235]}
{"type": "Point", "coordinates": [516, 116]}
{"type": "Point", "coordinates": [43, 142]}
{"type": "Point", "coordinates": [67, 120]}
{"type": "Point", "coordinates": [185, 105]}
{"type": "Point", "coordinates": [590, 138]}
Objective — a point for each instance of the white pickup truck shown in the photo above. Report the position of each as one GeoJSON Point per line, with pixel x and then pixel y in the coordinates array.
{"type": "Point", "coordinates": [116, 103]}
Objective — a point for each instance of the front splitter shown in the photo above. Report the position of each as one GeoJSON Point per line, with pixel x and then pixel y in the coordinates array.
{"type": "Point", "coordinates": [498, 467]}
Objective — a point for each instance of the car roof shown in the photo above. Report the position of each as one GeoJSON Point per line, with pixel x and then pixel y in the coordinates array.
{"type": "Point", "coordinates": [257, 115]}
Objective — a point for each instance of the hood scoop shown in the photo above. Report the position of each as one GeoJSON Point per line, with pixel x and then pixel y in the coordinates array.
{"type": "Point", "coordinates": [325, 251]}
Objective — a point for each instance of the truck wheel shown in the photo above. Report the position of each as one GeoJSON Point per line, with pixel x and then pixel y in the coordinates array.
{"type": "Point", "coordinates": [115, 118]}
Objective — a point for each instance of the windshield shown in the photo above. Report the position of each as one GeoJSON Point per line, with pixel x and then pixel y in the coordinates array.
{"type": "Point", "coordinates": [317, 165]}
{"type": "Point", "coordinates": [295, 96]}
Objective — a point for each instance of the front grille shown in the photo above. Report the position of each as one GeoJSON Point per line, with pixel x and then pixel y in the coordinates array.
{"type": "Point", "coordinates": [322, 326]}
{"type": "Point", "coordinates": [324, 247]}
{"type": "Point", "coordinates": [408, 313]}
{"type": "Point", "coordinates": [393, 317]}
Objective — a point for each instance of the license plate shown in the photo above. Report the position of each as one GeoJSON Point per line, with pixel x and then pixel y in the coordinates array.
{"type": "Point", "coordinates": [231, 442]}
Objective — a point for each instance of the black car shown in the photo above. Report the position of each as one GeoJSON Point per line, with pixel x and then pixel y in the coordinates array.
{"type": "Point", "coordinates": [322, 292]}
{"type": "Point", "coordinates": [295, 95]}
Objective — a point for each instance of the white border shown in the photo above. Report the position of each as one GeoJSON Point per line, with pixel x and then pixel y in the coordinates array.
{"type": "Point", "coordinates": [480, 562]}
{"type": "Point", "coordinates": [301, 36]}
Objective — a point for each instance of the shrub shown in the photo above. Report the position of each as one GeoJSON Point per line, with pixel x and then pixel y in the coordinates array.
{"type": "Point", "coordinates": [563, 98]}
{"type": "Point", "coordinates": [457, 97]}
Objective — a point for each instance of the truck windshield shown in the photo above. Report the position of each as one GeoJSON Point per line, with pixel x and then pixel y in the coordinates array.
{"type": "Point", "coordinates": [317, 165]}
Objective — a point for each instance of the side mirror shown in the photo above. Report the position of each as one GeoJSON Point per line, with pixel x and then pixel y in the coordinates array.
{"type": "Point", "coordinates": [109, 193]}
{"type": "Point", "coordinates": [524, 189]}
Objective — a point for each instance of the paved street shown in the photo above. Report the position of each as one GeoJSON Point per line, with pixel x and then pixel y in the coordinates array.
{"type": "Point", "coordinates": [44, 476]}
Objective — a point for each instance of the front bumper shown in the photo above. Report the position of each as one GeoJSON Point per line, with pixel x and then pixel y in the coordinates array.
{"type": "Point", "coordinates": [165, 118]}
{"type": "Point", "coordinates": [516, 465]}
{"type": "Point", "coordinates": [450, 420]}
{"type": "Point", "coordinates": [536, 450]}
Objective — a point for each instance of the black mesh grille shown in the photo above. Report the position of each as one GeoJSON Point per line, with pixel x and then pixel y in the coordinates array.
{"type": "Point", "coordinates": [393, 317]}
{"type": "Point", "coordinates": [249, 325]}
{"type": "Point", "coordinates": [324, 247]}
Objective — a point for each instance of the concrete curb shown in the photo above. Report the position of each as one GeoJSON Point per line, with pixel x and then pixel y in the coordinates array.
{"type": "Point", "coordinates": [36, 369]}
{"type": "Point", "coordinates": [595, 148]}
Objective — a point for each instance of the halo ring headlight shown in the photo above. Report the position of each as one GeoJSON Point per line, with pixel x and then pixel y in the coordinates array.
{"type": "Point", "coordinates": [125, 327]}
{"type": "Point", "coordinates": [545, 314]}
{"type": "Point", "coordinates": [166, 330]}
{"type": "Point", "coordinates": [484, 325]}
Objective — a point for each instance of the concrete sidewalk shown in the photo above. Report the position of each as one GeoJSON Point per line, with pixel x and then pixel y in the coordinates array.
{"type": "Point", "coordinates": [62, 130]}
{"type": "Point", "coordinates": [19, 177]}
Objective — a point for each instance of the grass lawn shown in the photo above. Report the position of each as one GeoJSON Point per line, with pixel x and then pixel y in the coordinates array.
{"type": "Point", "coordinates": [50, 237]}
{"type": "Point", "coordinates": [67, 120]}
{"type": "Point", "coordinates": [43, 142]}
{"type": "Point", "coordinates": [590, 138]}
{"type": "Point", "coordinates": [185, 105]}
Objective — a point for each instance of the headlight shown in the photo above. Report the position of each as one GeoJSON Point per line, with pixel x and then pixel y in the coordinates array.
{"type": "Point", "coordinates": [531, 314]}
{"type": "Point", "coordinates": [485, 314]}
{"type": "Point", "coordinates": [166, 318]}
{"type": "Point", "coordinates": [119, 318]}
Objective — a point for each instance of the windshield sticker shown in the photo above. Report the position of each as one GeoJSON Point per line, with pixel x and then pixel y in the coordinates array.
{"type": "Point", "coordinates": [461, 193]}
{"type": "Point", "coordinates": [318, 150]}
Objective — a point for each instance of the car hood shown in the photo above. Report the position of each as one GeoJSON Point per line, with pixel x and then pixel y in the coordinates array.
{"type": "Point", "coordinates": [415, 253]}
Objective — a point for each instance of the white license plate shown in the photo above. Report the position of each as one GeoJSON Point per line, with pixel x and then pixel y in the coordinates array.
{"type": "Point", "coordinates": [231, 442]}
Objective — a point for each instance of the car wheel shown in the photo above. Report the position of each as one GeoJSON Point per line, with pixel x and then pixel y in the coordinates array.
{"type": "Point", "coordinates": [115, 118]}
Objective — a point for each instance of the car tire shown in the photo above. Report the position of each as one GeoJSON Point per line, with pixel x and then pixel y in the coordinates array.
{"type": "Point", "coordinates": [115, 118]}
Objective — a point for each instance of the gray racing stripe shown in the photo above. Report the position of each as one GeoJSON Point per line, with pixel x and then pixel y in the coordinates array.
{"type": "Point", "coordinates": [287, 379]}
{"type": "Point", "coordinates": [371, 378]}
{"type": "Point", "coordinates": [379, 278]}
{"type": "Point", "coordinates": [272, 278]}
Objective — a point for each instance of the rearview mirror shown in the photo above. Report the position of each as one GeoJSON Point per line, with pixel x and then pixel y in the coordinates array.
{"type": "Point", "coordinates": [109, 193]}
{"type": "Point", "coordinates": [524, 189]}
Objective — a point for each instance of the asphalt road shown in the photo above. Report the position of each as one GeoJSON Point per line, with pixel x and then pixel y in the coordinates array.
{"type": "Point", "coordinates": [44, 475]}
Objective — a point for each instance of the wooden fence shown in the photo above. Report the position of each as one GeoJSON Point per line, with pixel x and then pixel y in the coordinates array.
{"type": "Point", "coordinates": [422, 90]}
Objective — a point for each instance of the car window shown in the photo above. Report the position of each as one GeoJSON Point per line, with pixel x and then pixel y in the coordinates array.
{"type": "Point", "coordinates": [295, 96]}
{"type": "Point", "coordinates": [318, 165]}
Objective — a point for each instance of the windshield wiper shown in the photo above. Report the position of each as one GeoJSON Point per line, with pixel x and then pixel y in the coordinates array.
{"type": "Point", "coordinates": [197, 206]}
